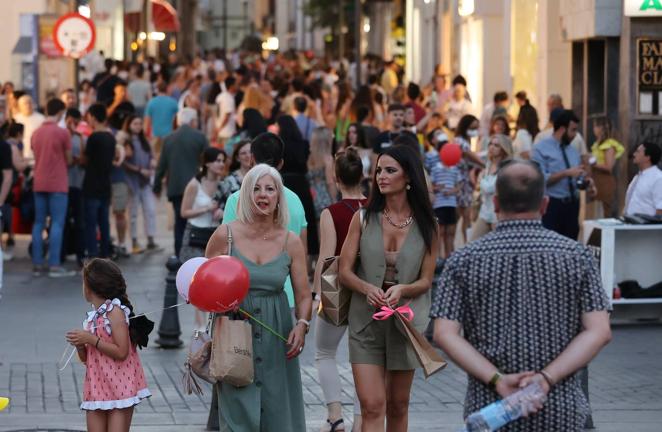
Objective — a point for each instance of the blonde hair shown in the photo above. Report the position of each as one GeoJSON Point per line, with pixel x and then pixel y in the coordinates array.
{"type": "Point", "coordinates": [253, 98]}
{"type": "Point", "coordinates": [505, 143]}
{"type": "Point", "coordinates": [321, 141]}
{"type": "Point", "coordinates": [247, 207]}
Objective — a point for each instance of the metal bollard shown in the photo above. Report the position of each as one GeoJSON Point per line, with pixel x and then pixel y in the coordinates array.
{"type": "Point", "coordinates": [169, 330]}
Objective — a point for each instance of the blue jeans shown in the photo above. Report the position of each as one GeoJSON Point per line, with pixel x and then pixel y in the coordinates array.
{"type": "Point", "coordinates": [97, 213]}
{"type": "Point", "coordinates": [53, 204]}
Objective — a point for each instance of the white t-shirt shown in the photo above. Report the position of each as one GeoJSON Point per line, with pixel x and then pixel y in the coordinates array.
{"type": "Point", "coordinates": [644, 194]}
{"type": "Point", "coordinates": [456, 110]}
{"type": "Point", "coordinates": [226, 105]}
{"type": "Point", "coordinates": [30, 124]}
{"type": "Point", "coordinates": [523, 143]}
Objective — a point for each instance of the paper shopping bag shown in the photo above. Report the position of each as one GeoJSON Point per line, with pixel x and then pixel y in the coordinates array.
{"type": "Point", "coordinates": [427, 356]}
{"type": "Point", "coordinates": [335, 298]}
{"type": "Point", "coordinates": [232, 352]}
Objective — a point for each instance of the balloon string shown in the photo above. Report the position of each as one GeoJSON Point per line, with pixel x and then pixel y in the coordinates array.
{"type": "Point", "coordinates": [71, 354]}
{"type": "Point", "coordinates": [263, 325]}
{"type": "Point", "coordinates": [94, 327]}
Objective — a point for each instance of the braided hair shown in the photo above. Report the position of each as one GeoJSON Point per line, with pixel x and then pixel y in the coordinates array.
{"type": "Point", "coordinates": [104, 278]}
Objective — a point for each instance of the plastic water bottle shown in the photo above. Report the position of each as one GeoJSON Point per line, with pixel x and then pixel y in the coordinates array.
{"type": "Point", "coordinates": [502, 412]}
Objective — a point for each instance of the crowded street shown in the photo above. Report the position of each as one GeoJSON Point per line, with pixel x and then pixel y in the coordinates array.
{"type": "Point", "coordinates": [305, 215]}
{"type": "Point", "coordinates": [624, 378]}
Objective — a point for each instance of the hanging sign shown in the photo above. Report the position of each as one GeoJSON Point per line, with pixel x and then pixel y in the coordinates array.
{"type": "Point", "coordinates": [649, 76]}
{"type": "Point", "coordinates": [74, 35]}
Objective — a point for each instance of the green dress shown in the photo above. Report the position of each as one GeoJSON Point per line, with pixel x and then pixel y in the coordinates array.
{"type": "Point", "coordinates": [274, 402]}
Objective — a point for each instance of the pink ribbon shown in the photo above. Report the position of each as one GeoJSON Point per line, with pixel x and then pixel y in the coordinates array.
{"type": "Point", "coordinates": [386, 311]}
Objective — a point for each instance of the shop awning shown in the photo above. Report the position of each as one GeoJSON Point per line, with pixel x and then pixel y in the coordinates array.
{"type": "Point", "coordinates": [163, 14]}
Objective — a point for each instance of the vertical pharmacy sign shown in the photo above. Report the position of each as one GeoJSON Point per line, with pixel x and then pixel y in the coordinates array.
{"type": "Point", "coordinates": [642, 8]}
{"type": "Point", "coordinates": [74, 35]}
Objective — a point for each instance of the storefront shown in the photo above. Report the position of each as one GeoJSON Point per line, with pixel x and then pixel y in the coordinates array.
{"type": "Point", "coordinates": [617, 71]}
{"type": "Point", "coordinates": [507, 45]}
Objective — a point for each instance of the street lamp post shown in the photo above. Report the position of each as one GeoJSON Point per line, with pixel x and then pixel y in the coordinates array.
{"type": "Point", "coordinates": [169, 330]}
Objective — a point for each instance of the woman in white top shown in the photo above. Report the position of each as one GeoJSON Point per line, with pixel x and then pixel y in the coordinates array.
{"type": "Point", "coordinates": [203, 213]}
{"type": "Point", "coordinates": [527, 129]}
{"type": "Point", "coordinates": [499, 149]}
{"type": "Point", "coordinates": [458, 106]}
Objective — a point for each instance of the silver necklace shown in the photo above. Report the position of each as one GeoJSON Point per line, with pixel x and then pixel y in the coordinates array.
{"type": "Point", "coordinates": [402, 225]}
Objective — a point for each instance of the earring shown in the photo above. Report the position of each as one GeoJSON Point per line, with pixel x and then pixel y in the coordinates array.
{"type": "Point", "coordinates": [408, 186]}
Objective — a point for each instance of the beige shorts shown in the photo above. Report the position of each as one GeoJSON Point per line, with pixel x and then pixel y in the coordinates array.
{"type": "Point", "coordinates": [120, 196]}
{"type": "Point", "coordinates": [382, 343]}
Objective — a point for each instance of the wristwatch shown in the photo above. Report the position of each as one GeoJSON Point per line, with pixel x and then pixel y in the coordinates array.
{"type": "Point", "coordinates": [495, 379]}
{"type": "Point", "coordinates": [305, 322]}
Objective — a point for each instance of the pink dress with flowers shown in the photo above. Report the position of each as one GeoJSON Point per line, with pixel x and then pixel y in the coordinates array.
{"type": "Point", "coordinates": [111, 384]}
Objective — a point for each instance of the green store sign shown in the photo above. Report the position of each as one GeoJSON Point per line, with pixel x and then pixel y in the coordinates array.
{"type": "Point", "coordinates": [642, 8]}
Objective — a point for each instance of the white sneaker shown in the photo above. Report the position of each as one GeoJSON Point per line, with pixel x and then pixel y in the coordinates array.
{"type": "Point", "coordinates": [58, 272]}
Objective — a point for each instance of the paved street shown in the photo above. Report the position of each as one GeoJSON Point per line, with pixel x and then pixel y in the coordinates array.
{"type": "Point", "coordinates": [625, 380]}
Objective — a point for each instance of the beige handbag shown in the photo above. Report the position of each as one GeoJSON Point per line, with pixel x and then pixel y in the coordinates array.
{"type": "Point", "coordinates": [197, 362]}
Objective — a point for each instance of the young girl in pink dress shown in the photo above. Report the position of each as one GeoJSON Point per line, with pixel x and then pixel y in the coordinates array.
{"type": "Point", "coordinates": [114, 381]}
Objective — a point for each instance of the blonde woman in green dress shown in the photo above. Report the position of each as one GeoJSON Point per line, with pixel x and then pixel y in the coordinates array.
{"type": "Point", "coordinates": [259, 238]}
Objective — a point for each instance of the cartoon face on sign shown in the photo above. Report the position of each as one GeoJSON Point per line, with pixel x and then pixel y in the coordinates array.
{"type": "Point", "coordinates": [74, 35]}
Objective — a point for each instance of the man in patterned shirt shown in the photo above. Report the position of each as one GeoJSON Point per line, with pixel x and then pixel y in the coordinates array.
{"type": "Point", "coordinates": [531, 305]}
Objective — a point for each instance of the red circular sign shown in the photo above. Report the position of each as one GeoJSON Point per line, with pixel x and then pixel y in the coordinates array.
{"type": "Point", "coordinates": [74, 35]}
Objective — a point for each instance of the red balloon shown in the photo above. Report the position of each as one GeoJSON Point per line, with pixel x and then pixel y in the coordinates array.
{"type": "Point", "coordinates": [450, 154]}
{"type": "Point", "coordinates": [219, 285]}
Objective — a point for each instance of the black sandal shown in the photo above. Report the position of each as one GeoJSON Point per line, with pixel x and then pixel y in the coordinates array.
{"type": "Point", "coordinates": [335, 424]}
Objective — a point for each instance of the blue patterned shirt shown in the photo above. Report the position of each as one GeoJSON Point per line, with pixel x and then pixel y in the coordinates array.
{"type": "Point", "coordinates": [519, 294]}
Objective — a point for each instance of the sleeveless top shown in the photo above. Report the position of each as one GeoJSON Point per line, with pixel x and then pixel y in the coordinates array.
{"type": "Point", "coordinates": [391, 273]}
{"type": "Point", "coordinates": [341, 214]}
{"type": "Point", "coordinates": [202, 200]}
{"type": "Point", "coordinates": [371, 267]}
{"type": "Point", "coordinates": [111, 384]}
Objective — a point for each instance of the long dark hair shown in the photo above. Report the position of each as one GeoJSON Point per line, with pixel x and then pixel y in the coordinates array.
{"type": "Point", "coordinates": [208, 155]}
{"type": "Point", "coordinates": [361, 141]}
{"type": "Point", "coordinates": [528, 119]}
{"type": "Point", "coordinates": [417, 195]}
{"type": "Point", "coordinates": [253, 123]}
{"type": "Point", "coordinates": [297, 149]}
{"type": "Point", "coordinates": [464, 125]}
{"type": "Point", "coordinates": [141, 136]}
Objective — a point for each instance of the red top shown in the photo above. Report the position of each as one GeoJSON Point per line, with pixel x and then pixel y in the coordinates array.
{"type": "Point", "coordinates": [342, 213]}
{"type": "Point", "coordinates": [49, 145]}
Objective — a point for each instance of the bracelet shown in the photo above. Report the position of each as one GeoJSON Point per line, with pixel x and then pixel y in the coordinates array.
{"type": "Point", "coordinates": [495, 379]}
{"type": "Point", "coordinates": [547, 377]}
{"type": "Point", "coordinates": [305, 322]}
{"type": "Point", "coordinates": [96, 345]}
